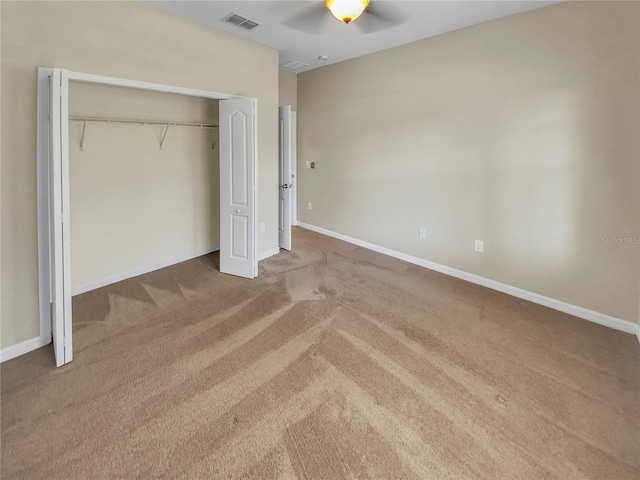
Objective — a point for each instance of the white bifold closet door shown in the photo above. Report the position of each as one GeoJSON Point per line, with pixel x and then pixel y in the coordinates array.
{"type": "Point", "coordinates": [59, 220]}
{"type": "Point", "coordinates": [238, 187]}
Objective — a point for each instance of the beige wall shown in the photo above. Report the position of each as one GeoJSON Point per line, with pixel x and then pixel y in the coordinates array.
{"type": "Point", "coordinates": [522, 132]}
{"type": "Point", "coordinates": [288, 89]}
{"type": "Point", "coordinates": [134, 206]}
{"type": "Point", "coordinates": [121, 39]}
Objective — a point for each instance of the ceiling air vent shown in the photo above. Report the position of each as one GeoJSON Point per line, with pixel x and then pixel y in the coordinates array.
{"type": "Point", "coordinates": [240, 21]}
{"type": "Point", "coordinates": [293, 65]}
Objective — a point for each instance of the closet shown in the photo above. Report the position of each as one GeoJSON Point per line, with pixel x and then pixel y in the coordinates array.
{"type": "Point", "coordinates": [144, 181]}
{"type": "Point", "coordinates": [127, 174]}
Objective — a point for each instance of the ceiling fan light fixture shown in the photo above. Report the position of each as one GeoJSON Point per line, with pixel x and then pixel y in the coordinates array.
{"type": "Point", "coordinates": [347, 10]}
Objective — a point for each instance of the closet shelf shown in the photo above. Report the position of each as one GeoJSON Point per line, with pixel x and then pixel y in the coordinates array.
{"type": "Point", "coordinates": [166, 123]}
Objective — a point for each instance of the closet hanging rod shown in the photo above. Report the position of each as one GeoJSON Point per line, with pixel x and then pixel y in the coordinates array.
{"type": "Point", "coordinates": [141, 122]}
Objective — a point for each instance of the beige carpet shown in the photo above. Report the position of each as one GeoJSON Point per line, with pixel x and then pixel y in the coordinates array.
{"type": "Point", "coordinates": [336, 362]}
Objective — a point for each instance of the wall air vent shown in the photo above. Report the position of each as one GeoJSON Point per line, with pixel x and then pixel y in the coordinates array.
{"type": "Point", "coordinates": [293, 65]}
{"type": "Point", "coordinates": [240, 21]}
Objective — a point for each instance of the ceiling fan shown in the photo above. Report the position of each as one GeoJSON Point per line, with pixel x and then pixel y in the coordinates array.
{"type": "Point", "coordinates": [368, 17]}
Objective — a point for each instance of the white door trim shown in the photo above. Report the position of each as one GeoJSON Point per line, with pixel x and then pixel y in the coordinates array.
{"type": "Point", "coordinates": [294, 168]}
{"type": "Point", "coordinates": [154, 87]}
{"type": "Point", "coordinates": [45, 280]}
{"type": "Point", "coordinates": [43, 179]}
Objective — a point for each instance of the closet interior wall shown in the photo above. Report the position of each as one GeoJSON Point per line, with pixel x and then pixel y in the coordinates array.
{"type": "Point", "coordinates": [135, 206]}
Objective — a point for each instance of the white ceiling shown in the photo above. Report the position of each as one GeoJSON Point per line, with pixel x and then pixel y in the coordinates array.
{"type": "Point", "coordinates": [422, 19]}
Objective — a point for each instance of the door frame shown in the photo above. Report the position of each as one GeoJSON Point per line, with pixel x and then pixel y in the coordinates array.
{"type": "Point", "coordinates": [46, 282]}
{"type": "Point", "coordinates": [294, 168]}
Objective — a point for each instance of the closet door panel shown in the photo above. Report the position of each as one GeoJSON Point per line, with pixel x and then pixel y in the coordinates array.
{"type": "Point", "coordinates": [237, 187]}
{"type": "Point", "coordinates": [59, 229]}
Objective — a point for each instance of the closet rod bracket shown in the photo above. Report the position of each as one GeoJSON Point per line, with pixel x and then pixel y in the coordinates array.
{"type": "Point", "coordinates": [164, 135]}
{"type": "Point", "coordinates": [84, 127]}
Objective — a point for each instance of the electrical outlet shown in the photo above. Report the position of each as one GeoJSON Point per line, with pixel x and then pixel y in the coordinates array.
{"type": "Point", "coordinates": [479, 246]}
{"type": "Point", "coordinates": [422, 232]}
{"type": "Point", "coordinates": [309, 206]}
{"type": "Point", "coordinates": [263, 227]}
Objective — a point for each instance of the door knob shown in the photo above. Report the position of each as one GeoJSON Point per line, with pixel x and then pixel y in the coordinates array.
{"type": "Point", "coordinates": [284, 186]}
{"type": "Point", "coordinates": [237, 211]}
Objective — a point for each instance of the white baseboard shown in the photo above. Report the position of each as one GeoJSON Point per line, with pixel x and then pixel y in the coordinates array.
{"type": "Point", "coordinates": [592, 316]}
{"type": "Point", "coordinates": [141, 271]}
{"type": "Point", "coordinates": [23, 347]}
{"type": "Point", "coordinates": [268, 253]}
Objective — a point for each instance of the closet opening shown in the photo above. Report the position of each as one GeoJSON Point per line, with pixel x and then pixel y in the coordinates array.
{"type": "Point", "coordinates": [134, 177]}
{"type": "Point", "coordinates": [144, 181]}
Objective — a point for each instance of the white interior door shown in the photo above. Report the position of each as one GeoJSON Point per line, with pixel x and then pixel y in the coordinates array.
{"type": "Point", "coordinates": [285, 179]}
{"type": "Point", "coordinates": [59, 225]}
{"type": "Point", "coordinates": [238, 187]}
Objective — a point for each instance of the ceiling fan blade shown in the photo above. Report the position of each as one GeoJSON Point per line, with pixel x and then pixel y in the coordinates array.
{"type": "Point", "coordinates": [311, 19]}
{"type": "Point", "coordinates": [379, 16]}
